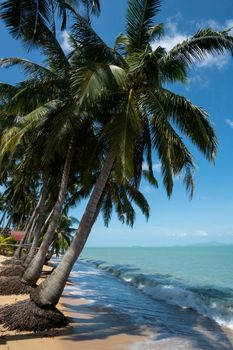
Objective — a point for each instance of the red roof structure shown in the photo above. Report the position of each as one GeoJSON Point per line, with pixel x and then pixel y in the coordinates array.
{"type": "Point", "coordinates": [18, 235]}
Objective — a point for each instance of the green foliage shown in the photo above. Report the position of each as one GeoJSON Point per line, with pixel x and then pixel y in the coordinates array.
{"type": "Point", "coordinates": [7, 245]}
{"type": "Point", "coordinates": [106, 98]}
{"type": "Point", "coordinates": [20, 16]}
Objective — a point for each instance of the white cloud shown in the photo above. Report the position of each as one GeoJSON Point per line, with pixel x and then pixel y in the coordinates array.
{"type": "Point", "coordinates": [175, 36]}
{"type": "Point", "coordinates": [65, 44]}
{"type": "Point", "coordinates": [229, 122]}
{"type": "Point", "coordinates": [198, 80]}
{"type": "Point", "coordinates": [169, 41]}
{"type": "Point", "coordinates": [218, 62]}
{"type": "Point", "coordinates": [148, 189]}
{"type": "Point", "coordinates": [156, 166]}
{"type": "Point", "coordinates": [229, 24]}
{"type": "Point", "coordinates": [201, 233]}
{"type": "Point", "coordinates": [144, 166]}
{"type": "Point", "coordinates": [212, 23]}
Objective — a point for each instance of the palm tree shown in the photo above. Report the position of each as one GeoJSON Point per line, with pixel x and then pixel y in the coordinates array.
{"type": "Point", "coordinates": [45, 117]}
{"type": "Point", "coordinates": [18, 15]}
{"type": "Point", "coordinates": [144, 114]}
{"type": "Point", "coordinates": [63, 236]}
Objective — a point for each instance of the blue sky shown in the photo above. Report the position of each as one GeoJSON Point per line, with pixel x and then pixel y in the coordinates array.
{"type": "Point", "coordinates": [178, 221]}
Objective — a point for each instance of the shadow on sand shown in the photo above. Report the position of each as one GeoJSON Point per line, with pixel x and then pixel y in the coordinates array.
{"type": "Point", "coordinates": [180, 329]}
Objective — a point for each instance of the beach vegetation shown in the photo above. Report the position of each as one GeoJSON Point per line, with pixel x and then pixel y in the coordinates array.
{"type": "Point", "coordinates": [123, 95]}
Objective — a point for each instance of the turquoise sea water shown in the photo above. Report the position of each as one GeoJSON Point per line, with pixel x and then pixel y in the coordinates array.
{"type": "Point", "coordinates": [194, 277]}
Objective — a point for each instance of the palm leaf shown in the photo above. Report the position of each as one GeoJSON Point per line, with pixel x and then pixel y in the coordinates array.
{"type": "Point", "coordinates": [196, 48]}
{"type": "Point", "coordinates": [139, 19]}
{"type": "Point", "coordinates": [123, 130]}
{"type": "Point", "coordinates": [29, 67]}
{"type": "Point", "coordinates": [7, 91]}
{"type": "Point", "coordinates": [93, 81]}
{"type": "Point", "coordinates": [172, 152]}
{"type": "Point", "coordinates": [93, 47]}
{"type": "Point", "coordinates": [191, 120]}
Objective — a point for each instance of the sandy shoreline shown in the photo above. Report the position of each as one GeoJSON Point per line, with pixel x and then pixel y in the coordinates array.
{"type": "Point", "coordinates": [95, 327]}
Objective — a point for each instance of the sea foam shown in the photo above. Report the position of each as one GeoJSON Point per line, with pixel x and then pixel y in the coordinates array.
{"type": "Point", "coordinates": [210, 302]}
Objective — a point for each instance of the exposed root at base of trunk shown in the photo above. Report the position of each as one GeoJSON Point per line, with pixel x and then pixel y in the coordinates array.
{"type": "Point", "coordinates": [27, 316]}
{"type": "Point", "coordinates": [13, 285]}
{"type": "Point", "coordinates": [14, 270]}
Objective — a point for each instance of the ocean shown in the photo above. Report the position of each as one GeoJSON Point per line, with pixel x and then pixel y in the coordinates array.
{"type": "Point", "coordinates": [133, 280]}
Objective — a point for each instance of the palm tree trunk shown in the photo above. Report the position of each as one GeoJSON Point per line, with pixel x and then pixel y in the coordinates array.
{"type": "Point", "coordinates": [27, 232]}
{"type": "Point", "coordinates": [48, 293]}
{"type": "Point", "coordinates": [39, 223]}
{"type": "Point", "coordinates": [33, 271]}
{"type": "Point", "coordinates": [47, 221]}
{"type": "Point", "coordinates": [17, 253]}
{"type": "Point", "coordinates": [50, 253]}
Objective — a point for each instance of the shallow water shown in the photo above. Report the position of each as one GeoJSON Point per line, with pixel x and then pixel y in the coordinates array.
{"type": "Point", "coordinates": [198, 278]}
{"type": "Point", "coordinates": [170, 327]}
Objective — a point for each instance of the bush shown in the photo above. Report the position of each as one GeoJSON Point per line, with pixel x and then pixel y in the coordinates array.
{"type": "Point", "coordinates": [6, 245]}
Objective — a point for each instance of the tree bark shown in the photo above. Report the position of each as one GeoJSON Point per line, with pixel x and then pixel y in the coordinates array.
{"type": "Point", "coordinates": [48, 293]}
{"type": "Point", "coordinates": [39, 223]}
{"type": "Point", "coordinates": [33, 271]}
{"type": "Point", "coordinates": [27, 231]}
{"type": "Point", "coordinates": [47, 221]}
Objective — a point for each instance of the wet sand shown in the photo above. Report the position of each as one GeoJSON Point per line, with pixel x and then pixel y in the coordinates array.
{"type": "Point", "coordinates": [95, 327]}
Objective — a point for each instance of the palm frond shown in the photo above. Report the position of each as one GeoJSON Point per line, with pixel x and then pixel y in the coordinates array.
{"type": "Point", "coordinates": [7, 91]}
{"type": "Point", "coordinates": [139, 199]}
{"type": "Point", "coordinates": [196, 48]}
{"type": "Point", "coordinates": [18, 15]}
{"type": "Point", "coordinates": [191, 120]}
{"type": "Point", "coordinates": [140, 14]}
{"type": "Point", "coordinates": [12, 137]}
{"type": "Point", "coordinates": [121, 41]}
{"type": "Point", "coordinates": [123, 129]}
{"type": "Point", "coordinates": [29, 67]}
{"type": "Point", "coordinates": [93, 47]}
{"type": "Point", "coordinates": [93, 81]}
{"type": "Point", "coordinates": [172, 152]}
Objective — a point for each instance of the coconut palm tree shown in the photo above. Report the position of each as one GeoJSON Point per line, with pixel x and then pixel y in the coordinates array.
{"type": "Point", "coordinates": [46, 118]}
{"type": "Point", "coordinates": [143, 115]}
{"type": "Point", "coordinates": [63, 236]}
{"type": "Point", "coordinates": [18, 15]}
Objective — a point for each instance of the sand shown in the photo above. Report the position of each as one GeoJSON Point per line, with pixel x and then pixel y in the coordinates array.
{"type": "Point", "coordinates": [95, 328]}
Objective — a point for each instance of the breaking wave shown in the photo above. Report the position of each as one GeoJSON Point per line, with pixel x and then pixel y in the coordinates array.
{"type": "Point", "coordinates": [214, 303]}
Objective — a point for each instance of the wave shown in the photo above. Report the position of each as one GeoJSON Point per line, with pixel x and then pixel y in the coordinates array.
{"type": "Point", "coordinates": [211, 302]}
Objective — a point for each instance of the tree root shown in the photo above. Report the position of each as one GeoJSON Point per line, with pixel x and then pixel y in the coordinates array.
{"type": "Point", "coordinates": [27, 316]}
{"type": "Point", "coordinates": [13, 285]}
{"type": "Point", "coordinates": [14, 270]}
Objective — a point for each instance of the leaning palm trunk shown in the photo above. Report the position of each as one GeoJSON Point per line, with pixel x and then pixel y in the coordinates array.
{"type": "Point", "coordinates": [39, 224]}
{"type": "Point", "coordinates": [45, 225]}
{"type": "Point", "coordinates": [18, 251]}
{"type": "Point", "coordinates": [28, 229]}
{"type": "Point", "coordinates": [38, 217]}
{"type": "Point", "coordinates": [50, 253]}
{"type": "Point", "coordinates": [33, 271]}
{"type": "Point", "coordinates": [27, 278]}
{"type": "Point", "coordinates": [48, 293]}
{"type": "Point", "coordinates": [39, 312]}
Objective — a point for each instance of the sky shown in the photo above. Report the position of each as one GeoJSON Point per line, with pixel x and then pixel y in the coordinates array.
{"type": "Point", "coordinates": [208, 217]}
